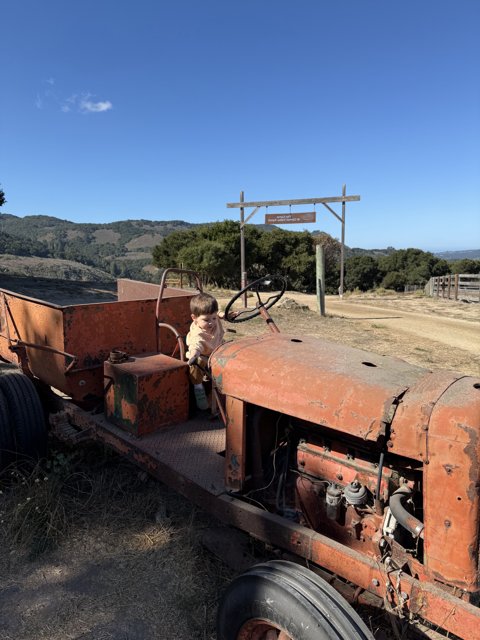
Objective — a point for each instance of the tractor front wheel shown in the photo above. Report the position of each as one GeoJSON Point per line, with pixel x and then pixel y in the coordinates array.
{"type": "Point", "coordinates": [281, 600]}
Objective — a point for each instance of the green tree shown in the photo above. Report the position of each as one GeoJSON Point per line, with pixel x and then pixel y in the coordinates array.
{"type": "Point", "coordinates": [2, 197]}
{"type": "Point", "coordinates": [361, 272]}
{"type": "Point", "coordinates": [214, 250]}
{"type": "Point", "coordinates": [394, 280]}
{"type": "Point", "coordinates": [465, 266]}
{"type": "Point", "coordinates": [415, 266]}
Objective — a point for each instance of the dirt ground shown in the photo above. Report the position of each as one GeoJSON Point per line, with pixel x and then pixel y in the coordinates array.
{"type": "Point", "coordinates": [126, 560]}
{"type": "Point", "coordinates": [433, 333]}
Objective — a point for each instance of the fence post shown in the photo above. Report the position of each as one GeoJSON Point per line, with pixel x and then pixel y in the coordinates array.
{"type": "Point", "coordinates": [320, 277]}
{"type": "Point", "coordinates": [449, 284]}
{"type": "Point", "coordinates": [457, 277]}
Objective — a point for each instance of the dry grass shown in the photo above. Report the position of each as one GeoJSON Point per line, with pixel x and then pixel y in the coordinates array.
{"type": "Point", "coordinates": [98, 551]}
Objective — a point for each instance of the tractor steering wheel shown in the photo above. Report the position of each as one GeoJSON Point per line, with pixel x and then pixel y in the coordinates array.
{"type": "Point", "coordinates": [247, 313]}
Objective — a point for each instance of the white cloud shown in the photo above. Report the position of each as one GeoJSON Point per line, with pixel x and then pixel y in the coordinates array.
{"type": "Point", "coordinates": [87, 106]}
{"type": "Point", "coordinates": [77, 102]}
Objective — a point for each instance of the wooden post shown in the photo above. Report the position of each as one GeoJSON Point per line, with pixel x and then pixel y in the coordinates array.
{"type": "Point", "coordinates": [243, 273]}
{"type": "Point", "coordinates": [320, 279]}
{"type": "Point", "coordinates": [457, 278]}
{"type": "Point", "coordinates": [437, 282]}
{"type": "Point", "coordinates": [342, 247]}
{"type": "Point", "coordinates": [449, 284]}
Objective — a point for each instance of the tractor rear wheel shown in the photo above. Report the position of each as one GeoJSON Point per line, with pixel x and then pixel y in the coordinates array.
{"type": "Point", "coordinates": [26, 414]}
{"type": "Point", "coordinates": [281, 600]}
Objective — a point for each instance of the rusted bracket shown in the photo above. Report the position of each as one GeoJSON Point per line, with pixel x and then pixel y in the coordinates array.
{"type": "Point", "coordinates": [64, 430]}
{"type": "Point", "coordinates": [32, 345]}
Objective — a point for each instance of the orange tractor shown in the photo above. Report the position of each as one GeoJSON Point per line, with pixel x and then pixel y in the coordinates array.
{"type": "Point", "coordinates": [363, 469]}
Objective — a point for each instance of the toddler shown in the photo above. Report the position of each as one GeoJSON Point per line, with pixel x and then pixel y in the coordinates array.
{"type": "Point", "coordinates": [205, 334]}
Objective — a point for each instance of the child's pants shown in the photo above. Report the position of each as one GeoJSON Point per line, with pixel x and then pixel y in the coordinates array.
{"type": "Point", "coordinates": [196, 374]}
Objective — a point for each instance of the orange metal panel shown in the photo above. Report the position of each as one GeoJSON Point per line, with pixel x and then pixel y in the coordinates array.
{"type": "Point", "coordinates": [174, 309]}
{"type": "Point", "coordinates": [451, 486]}
{"type": "Point", "coordinates": [146, 393]}
{"type": "Point", "coordinates": [136, 290]}
{"type": "Point", "coordinates": [322, 382]}
{"type": "Point", "coordinates": [34, 321]}
{"type": "Point", "coordinates": [89, 332]}
{"type": "Point", "coordinates": [235, 453]}
{"type": "Point", "coordinates": [408, 434]}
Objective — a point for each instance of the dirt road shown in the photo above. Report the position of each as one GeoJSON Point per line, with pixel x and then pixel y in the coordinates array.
{"type": "Point", "coordinates": [458, 333]}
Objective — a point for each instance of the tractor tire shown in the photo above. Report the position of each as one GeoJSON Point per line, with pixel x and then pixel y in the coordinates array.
{"type": "Point", "coordinates": [7, 443]}
{"type": "Point", "coordinates": [26, 415]}
{"type": "Point", "coordinates": [288, 600]}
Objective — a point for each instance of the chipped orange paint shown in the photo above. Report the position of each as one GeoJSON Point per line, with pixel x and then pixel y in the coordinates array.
{"type": "Point", "coordinates": [146, 393]}
{"type": "Point", "coordinates": [235, 453]}
{"type": "Point", "coordinates": [89, 332]}
{"type": "Point", "coordinates": [318, 381]}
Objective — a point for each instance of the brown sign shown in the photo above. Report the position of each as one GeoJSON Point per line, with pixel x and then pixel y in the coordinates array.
{"type": "Point", "coordinates": [290, 218]}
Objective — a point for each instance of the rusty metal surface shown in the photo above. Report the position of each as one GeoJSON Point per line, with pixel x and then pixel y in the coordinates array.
{"type": "Point", "coordinates": [451, 486]}
{"type": "Point", "coordinates": [339, 466]}
{"type": "Point", "coordinates": [189, 456]}
{"type": "Point", "coordinates": [408, 433]}
{"type": "Point", "coordinates": [146, 393]}
{"type": "Point", "coordinates": [136, 290]}
{"type": "Point", "coordinates": [173, 309]}
{"type": "Point", "coordinates": [33, 321]}
{"type": "Point", "coordinates": [89, 332]}
{"type": "Point", "coordinates": [322, 382]}
{"type": "Point", "coordinates": [422, 598]}
{"type": "Point", "coordinates": [235, 454]}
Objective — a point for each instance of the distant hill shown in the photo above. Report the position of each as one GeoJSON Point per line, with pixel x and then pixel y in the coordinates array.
{"type": "Point", "coordinates": [34, 267]}
{"type": "Point", "coordinates": [120, 248]}
{"type": "Point", "coordinates": [471, 254]}
{"type": "Point", "coordinates": [375, 253]}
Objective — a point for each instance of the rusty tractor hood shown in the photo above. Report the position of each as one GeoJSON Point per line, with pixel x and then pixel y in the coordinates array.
{"type": "Point", "coordinates": [316, 380]}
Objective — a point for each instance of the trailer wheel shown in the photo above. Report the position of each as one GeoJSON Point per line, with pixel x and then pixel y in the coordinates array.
{"type": "Point", "coordinates": [281, 600]}
{"type": "Point", "coordinates": [7, 443]}
{"type": "Point", "coordinates": [26, 414]}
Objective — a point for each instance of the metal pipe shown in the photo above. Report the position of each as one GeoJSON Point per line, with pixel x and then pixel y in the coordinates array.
{"type": "Point", "coordinates": [378, 501]}
{"type": "Point", "coordinates": [404, 517]}
{"type": "Point", "coordinates": [179, 338]}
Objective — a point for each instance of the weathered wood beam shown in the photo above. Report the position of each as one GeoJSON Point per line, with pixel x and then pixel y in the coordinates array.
{"type": "Point", "coordinates": [286, 203]}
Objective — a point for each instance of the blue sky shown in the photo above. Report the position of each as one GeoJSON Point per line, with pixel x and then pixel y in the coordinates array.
{"type": "Point", "coordinates": [115, 109]}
